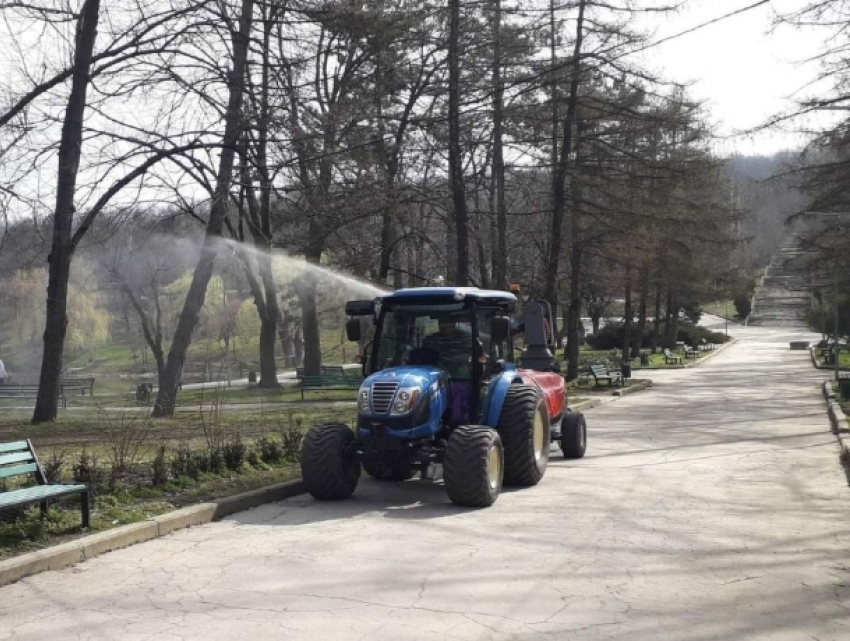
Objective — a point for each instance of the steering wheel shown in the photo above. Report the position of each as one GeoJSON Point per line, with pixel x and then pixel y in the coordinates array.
{"type": "Point", "coordinates": [424, 356]}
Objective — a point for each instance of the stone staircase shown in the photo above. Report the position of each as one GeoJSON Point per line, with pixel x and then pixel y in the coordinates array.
{"type": "Point", "coordinates": [782, 299]}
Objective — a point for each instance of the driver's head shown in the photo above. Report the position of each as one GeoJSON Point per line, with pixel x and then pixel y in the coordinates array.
{"type": "Point", "coordinates": [446, 325]}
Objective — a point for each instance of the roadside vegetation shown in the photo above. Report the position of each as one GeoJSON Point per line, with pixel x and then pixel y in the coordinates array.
{"type": "Point", "coordinates": [140, 467]}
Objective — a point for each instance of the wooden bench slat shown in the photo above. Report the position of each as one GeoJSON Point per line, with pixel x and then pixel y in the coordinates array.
{"type": "Point", "coordinates": [37, 493]}
{"type": "Point", "coordinates": [18, 457]}
{"type": "Point", "coordinates": [7, 472]}
{"type": "Point", "coordinates": [14, 447]}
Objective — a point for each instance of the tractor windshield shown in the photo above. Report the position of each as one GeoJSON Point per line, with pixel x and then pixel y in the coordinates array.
{"type": "Point", "coordinates": [438, 335]}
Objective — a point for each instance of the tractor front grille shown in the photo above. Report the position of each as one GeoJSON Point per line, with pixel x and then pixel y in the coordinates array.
{"type": "Point", "coordinates": [382, 396]}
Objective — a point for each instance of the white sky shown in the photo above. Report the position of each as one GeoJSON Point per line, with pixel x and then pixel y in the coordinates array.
{"type": "Point", "coordinates": [746, 71]}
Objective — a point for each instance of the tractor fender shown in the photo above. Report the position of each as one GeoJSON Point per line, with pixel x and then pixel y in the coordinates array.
{"type": "Point", "coordinates": [496, 393]}
{"type": "Point", "coordinates": [552, 387]}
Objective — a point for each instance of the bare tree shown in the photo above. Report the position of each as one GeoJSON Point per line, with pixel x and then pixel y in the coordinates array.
{"type": "Point", "coordinates": [166, 394]}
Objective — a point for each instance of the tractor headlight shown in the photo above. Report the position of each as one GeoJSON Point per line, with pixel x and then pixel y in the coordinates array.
{"type": "Point", "coordinates": [363, 400]}
{"type": "Point", "coordinates": [405, 400]}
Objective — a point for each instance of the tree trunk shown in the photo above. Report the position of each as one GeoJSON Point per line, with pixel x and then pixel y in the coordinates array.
{"type": "Point", "coordinates": [656, 323]}
{"type": "Point", "coordinates": [310, 317]}
{"type": "Point", "coordinates": [575, 311]}
{"type": "Point", "coordinates": [203, 270]}
{"type": "Point", "coordinates": [627, 314]}
{"type": "Point", "coordinates": [559, 174]}
{"type": "Point", "coordinates": [269, 319]}
{"type": "Point", "coordinates": [62, 249]}
{"type": "Point", "coordinates": [451, 255]}
{"type": "Point", "coordinates": [455, 157]}
{"type": "Point", "coordinates": [268, 367]}
{"type": "Point", "coordinates": [672, 318]}
{"type": "Point", "coordinates": [500, 251]}
{"type": "Point", "coordinates": [298, 344]}
{"type": "Point", "coordinates": [641, 326]}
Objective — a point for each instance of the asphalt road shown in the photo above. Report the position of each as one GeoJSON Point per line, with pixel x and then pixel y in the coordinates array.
{"type": "Point", "coordinates": [711, 507]}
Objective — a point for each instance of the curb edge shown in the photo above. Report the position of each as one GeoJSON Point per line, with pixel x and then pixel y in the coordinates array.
{"type": "Point", "coordinates": [67, 554]}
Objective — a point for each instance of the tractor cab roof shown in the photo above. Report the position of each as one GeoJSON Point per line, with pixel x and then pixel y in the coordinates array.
{"type": "Point", "coordinates": [425, 295]}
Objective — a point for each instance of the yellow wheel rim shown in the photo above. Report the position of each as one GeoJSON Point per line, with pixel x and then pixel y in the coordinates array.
{"type": "Point", "coordinates": [494, 468]}
{"type": "Point", "coordinates": [539, 438]}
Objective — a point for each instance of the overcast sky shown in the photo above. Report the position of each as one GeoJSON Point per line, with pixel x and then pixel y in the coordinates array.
{"type": "Point", "coordinates": [744, 71]}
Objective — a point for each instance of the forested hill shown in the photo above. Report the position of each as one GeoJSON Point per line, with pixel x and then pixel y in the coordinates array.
{"type": "Point", "coordinates": [766, 187]}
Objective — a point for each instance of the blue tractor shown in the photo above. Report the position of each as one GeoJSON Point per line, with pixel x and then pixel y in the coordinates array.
{"type": "Point", "coordinates": [443, 398]}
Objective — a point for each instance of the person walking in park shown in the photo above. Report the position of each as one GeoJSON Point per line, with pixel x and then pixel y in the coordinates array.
{"type": "Point", "coordinates": [3, 374]}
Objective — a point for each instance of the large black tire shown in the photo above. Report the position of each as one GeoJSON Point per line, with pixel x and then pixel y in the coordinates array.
{"type": "Point", "coordinates": [382, 472]}
{"type": "Point", "coordinates": [328, 473]}
{"type": "Point", "coordinates": [473, 466]}
{"type": "Point", "coordinates": [573, 435]}
{"type": "Point", "coordinates": [525, 431]}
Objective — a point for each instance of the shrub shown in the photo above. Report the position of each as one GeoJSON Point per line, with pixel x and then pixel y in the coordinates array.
{"type": "Point", "coordinates": [608, 337]}
{"type": "Point", "coordinates": [126, 435]}
{"type": "Point", "coordinates": [159, 467]}
{"type": "Point", "coordinates": [87, 470]}
{"type": "Point", "coordinates": [216, 461]}
{"type": "Point", "coordinates": [270, 449]}
{"type": "Point", "coordinates": [184, 463]}
{"type": "Point", "coordinates": [693, 311]}
{"type": "Point", "coordinates": [693, 335]}
{"type": "Point", "coordinates": [53, 465]}
{"type": "Point", "coordinates": [743, 305]}
{"type": "Point", "coordinates": [291, 440]}
{"type": "Point", "coordinates": [234, 453]}
{"type": "Point", "coordinates": [253, 457]}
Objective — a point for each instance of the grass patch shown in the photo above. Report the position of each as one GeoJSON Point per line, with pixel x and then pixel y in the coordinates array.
{"type": "Point", "coordinates": [843, 360]}
{"type": "Point", "coordinates": [721, 308]}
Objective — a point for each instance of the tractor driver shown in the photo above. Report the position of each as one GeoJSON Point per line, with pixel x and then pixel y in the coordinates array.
{"type": "Point", "coordinates": [453, 347]}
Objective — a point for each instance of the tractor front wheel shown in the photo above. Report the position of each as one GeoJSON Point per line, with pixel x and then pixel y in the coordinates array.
{"type": "Point", "coordinates": [328, 467]}
{"type": "Point", "coordinates": [473, 467]}
{"type": "Point", "coordinates": [573, 435]}
{"type": "Point", "coordinates": [525, 431]}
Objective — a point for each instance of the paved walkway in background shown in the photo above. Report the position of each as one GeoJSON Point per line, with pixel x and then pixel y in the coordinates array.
{"type": "Point", "coordinates": [711, 507]}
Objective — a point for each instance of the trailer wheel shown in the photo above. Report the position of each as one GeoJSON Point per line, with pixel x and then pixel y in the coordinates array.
{"type": "Point", "coordinates": [383, 472]}
{"type": "Point", "coordinates": [573, 435]}
{"type": "Point", "coordinates": [525, 431]}
{"type": "Point", "coordinates": [329, 469]}
{"type": "Point", "coordinates": [473, 467]}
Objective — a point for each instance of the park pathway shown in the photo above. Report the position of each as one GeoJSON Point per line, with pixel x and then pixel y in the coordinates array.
{"type": "Point", "coordinates": [711, 507]}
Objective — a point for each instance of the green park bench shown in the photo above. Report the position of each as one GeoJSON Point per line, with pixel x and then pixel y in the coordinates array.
{"type": "Point", "coordinates": [27, 391]}
{"type": "Point", "coordinates": [329, 382]}
{"type": "Point", "coordinates": [81, 383]}
{"type": "Point", "coordinates": [671, 358]}
{"type": "Point", "coordinates": [602, 373]}
{"type": "Point", "coordinates": [19, 459]}
{"type": "Point", "coordinates": [690, 352]}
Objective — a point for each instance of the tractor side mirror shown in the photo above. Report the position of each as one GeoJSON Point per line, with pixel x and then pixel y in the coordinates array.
{"type": "Point", "coordinates": [352, 329]}
{"type": "Point", "coordinates": [500, 329]}
{"type": "Point", "coordinates": [360, 308]}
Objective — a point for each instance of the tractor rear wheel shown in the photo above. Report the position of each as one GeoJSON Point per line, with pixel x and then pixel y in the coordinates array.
{"type": "Point", "coordinates": [473, 467]}
{"type": "Point", "coordinates": [573, 435]}
{"type": "Point", "coordinates": [384, 472]}
{"type": "Point", "coordinates": [525, 431]}
{"type": "Point", "coordinates": [330, 471]}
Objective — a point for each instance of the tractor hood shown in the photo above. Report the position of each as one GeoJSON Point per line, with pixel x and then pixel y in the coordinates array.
{"type": "Point", "coordinates": [383, 389]}
{"type": "Point", "coordinates": [420, 376]}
